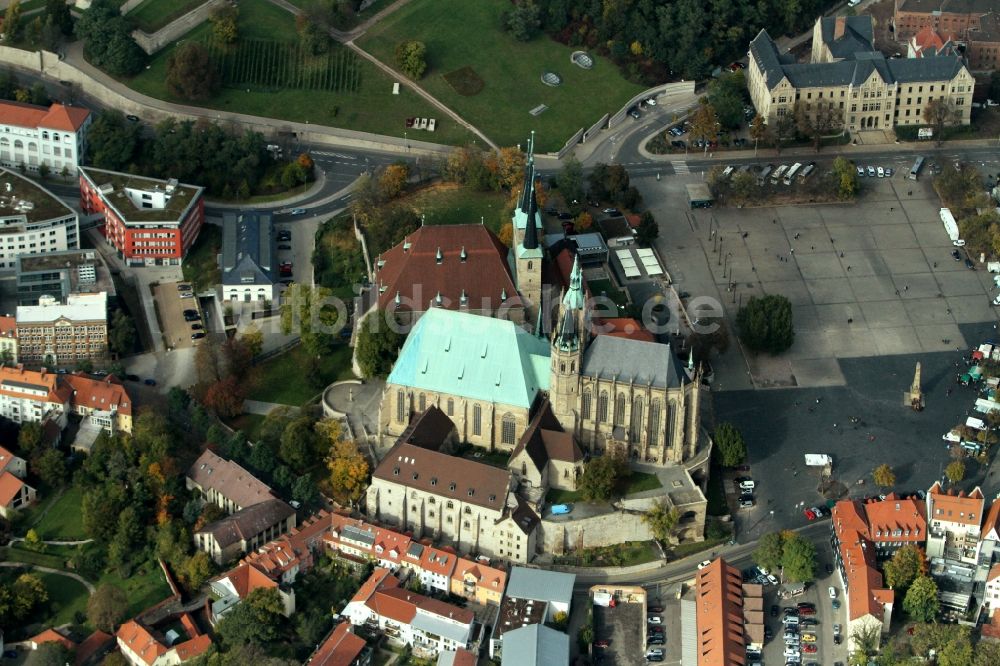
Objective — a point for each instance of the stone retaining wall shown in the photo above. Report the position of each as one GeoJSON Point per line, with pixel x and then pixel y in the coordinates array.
{"type": "Point", "coordinates": [608, 529]}
{"type": "Point", "coordinates": [176, 28]}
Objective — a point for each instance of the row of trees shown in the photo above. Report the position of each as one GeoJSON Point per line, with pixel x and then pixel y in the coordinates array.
{"type": "Point", "coordinates": [107, 39]}
{"type": "Point", "coordinates": [47, 29]}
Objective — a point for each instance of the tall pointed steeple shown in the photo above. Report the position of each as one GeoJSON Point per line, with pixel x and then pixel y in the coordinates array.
{"type": "Point", "coordinates": [529, 203]}
{"type": "Point", "coordinates": [574, 297]}
{"type": "Point", "coordinates": [528, 239]}
{"type": "Point", "coordinates": [572, 315]}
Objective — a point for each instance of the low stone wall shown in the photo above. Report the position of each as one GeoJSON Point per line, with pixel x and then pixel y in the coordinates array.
{"type": "Point", "coordinates": [571, 143]}
{"type": "Point", "coordinates": [608, 529]}
{"type": "Point", "coordinates": [176, 28]}
{"type": "Point", "coordinates": [682, 88]}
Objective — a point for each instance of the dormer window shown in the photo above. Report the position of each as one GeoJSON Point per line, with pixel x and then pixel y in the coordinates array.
{"type": "Point", "coordinates": [395, 471]}
{"type": "Point", "coordinates": [451, 486]}
{"type": "Point", "coordinates": [434, 481]}
{"type": "Point", "coordinates": [472, 491]}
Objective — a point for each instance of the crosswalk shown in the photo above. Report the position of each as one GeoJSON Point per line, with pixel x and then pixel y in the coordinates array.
{"type": "Point", "coordinates": [680, 167]}
{"type": "Point", "coordinates": [325, 153]}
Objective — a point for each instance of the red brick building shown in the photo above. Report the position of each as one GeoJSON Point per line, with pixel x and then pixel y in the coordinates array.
{"type": "Point", "coordinates": [975, 23]}
{"type": "Point", "coordinates": [150, 222]}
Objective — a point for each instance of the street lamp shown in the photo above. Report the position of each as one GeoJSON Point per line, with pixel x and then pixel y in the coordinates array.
{"type": "Point", "coordinates": [406, 141]}
{"type": "Point", "coordinates": [720, 251]}
{"type": "Point", "coordinates": [728, 254]}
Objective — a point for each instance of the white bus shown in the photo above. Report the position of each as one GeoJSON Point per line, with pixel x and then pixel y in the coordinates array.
{"type": "Point", "coordinates": [778, 174]}
{"type": "Point", "coordinates": [809, 168]}
{"type": "Point", "coordinates": [917, 165]}
{"type": "Point", "coordinates": [791, 173]}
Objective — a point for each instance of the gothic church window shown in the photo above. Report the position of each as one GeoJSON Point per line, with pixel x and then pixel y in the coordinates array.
{"type": "Point", "coordinates": [654, 423]}
{"type": "Point", "coordinates": [602, 407]}
{"type": "Point", "coordinates": [507, 430]}
{"type": "Point", "coordinates": [400, 406]}
{"type": "Point", "coordinates": [585, 405]}
{"type": "Point", "coordinates": [636, 427]}
{"type": "Point", "coordinates": [477, 420]}
{"type": "Point", "coordinates": [620, 409]}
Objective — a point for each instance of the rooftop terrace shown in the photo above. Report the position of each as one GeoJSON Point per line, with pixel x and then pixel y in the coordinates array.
{"type": "Point", "coordinates": [21, 196]}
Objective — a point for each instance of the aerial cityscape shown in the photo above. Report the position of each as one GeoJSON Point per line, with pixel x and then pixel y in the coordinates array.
{"type": "Point", "coordinates": [505, 333]}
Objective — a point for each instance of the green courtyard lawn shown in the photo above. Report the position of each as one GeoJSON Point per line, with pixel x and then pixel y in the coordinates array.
{"type": "Point", "coordinates": [63, 521]}
{"type": "Point", "coordinates": [151, 15]}
{"type": "Point", "coordinates": [201, 265]}
{"type": "Point", "coordinates": [638, 482]}
{"type": "Point", "coordinates": [141, 589]}
{"type": "Point", "coordinates": [449, 203]}
{"type": "Point", "coordinates": [506, 72]}
{"type": "Point", "coordinates": [67, 597]}
{"type": "Point", "coordinates": [371, 107]}
{"type": "Point", "coordinates": [283, 379]}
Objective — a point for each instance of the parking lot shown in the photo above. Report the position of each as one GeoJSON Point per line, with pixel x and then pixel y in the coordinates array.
{"type": "Point", "coordinates": [623, 626]}
{"type": "Point", "coordinates": [176, 331]}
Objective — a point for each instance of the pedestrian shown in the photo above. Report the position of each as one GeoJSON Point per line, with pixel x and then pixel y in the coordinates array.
{"type": "Point", "coordinates": [817, 400]}
{"type": "Point", "coordinates": [949, 312]}
{"type": "Point", "coordinates": [906, 288]}
{"type": "Point", "coordinates": [891, 208]}
{"type": "Point", "coordinates": [910, 193]}
{"type": "Point", "coordinates": [848, 269]}
{"type": "Point", "coordinates": [850, 320]}
{"type": "Point", "coordinates": [812, 247]}
{"type": "Point", "coordinates": [897, 292]}
{"type": "Point", "coordinates": [774, 221]}
{"type": "Point", "coordinates": [935, 264]}
{"type": "Point", "coordinates": [841, 254]}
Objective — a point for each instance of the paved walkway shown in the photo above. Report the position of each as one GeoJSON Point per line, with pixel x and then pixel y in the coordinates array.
{"type": "Point", "coordinates": [56, 543]}
{"type": "Point", "coordinates": [262, 408]}
{"type": "Point", "coordinates": [87, 584]}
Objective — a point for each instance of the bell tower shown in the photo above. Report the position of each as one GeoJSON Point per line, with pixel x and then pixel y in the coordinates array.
{"type": "Point", "coordinates": [527, 239]}
{"type": "Point", "coordinates": [568, 343]}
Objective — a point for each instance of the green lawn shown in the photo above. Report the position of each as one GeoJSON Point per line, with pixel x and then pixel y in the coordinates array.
{"type": "Point", "coordinates": [454, 204]}
{"type": "Point", "coordinates": [63, 522]}
{"type": "Point", "coordinates": [282, 379]}
{"type": "Point", "coordinates": [66, 597]}
{"type": "Point", "coordinates": [510, 71]}
{"type": "Point", "coordinates": [17, 553]}
{"type": "Point", "coordinates": [638, 482]}
{"type": "Point", "coordinates": [372, 108]}
{"type": "Point", "coordinates": [626, 554]}
{"type": "Point", "coordinates": [348, 21]}
{"type": "Point", "coordinates": [151, 15]}
{"type": "Point", "coordinates": [249, 424]}
{"type": "Point", "coordinates": [201, 265]}
{"type": "Point", "coordinates": [141, 590]}
{"type": "Point", "coordinates": [557, 496]}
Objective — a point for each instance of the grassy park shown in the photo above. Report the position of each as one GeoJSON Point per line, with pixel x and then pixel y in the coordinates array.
{"type": "Point", "coordinates": [282, 379]}
{"type": "Point", "coordinates": [449, 203]}
{"type": "Point", "coordinates": [268, 80]}
{"type": "Point", "coordinates": [151, 15]}
{"type": "Point", "coordinates": [63, 522]}
{"type": "Point", "coordinates": [507, 72]}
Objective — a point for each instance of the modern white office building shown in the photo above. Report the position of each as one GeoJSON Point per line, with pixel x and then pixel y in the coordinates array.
{"type": "Point", "coordinates": [33, 220]}
{"type": "Point", "coordinates": [35, 135]}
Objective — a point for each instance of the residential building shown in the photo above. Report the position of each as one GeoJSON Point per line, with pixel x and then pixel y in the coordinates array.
{"type": "Point", "coordinates": [533, 597]}
{"type": "Point", "coordinates": [33, 220]}
{"type": "Point", "coordinates": [535, 645]}
{"type": "Point", "coordinates": [989, 536]}
{"type": "Point", "coordinates": [929, 43]}
{"type": "Point", "coordinates": [342, 647]}
{"type": "Point", "coordinates": [546, 456]}
{"type": "Point", "coordinates": [477, 581]}
{"type": "Point", "coordinates": [14, 494]}
{"type": "Point", "coordinates": [991, 593]}
{"type": "Point", "coordinates": [433, 567]}
{"type": "Point", "coordinates": [245, 530]}
{"type": "Point", "coordinates": [34, 136]}
{"type": "Point", "coordinates": [249, 257]}
{"type": "Point", "coordinates": [50, 636]}
{"type": "Point", "coordinates": [150, 222]}
{"type": "Point", "coordinates": [458, 657]}
{"type": "Point", "coordinates": [103, 403]}
{"type": "Point", "coordinates": [292, 554]}
{"type": "Point", "coordinates": [719, 615]}
{"type": "Point", "coordinates": [32, 396]}
{"type": "Point", "coordinates": [59, 274]}
{"type": "Point", "coordinates": [145, 645]}
{"type": "Point", "coordinates": [851, 85]}
{"type": "Point", "coordinates": [8, 339]}
{"type": "Point", "coordinates": [13, 464]}
{"type": "Point", "coordinates": [460, 267]}
{"type": "Point", "coordinates": [954, 519]}
{"type": "Point", "coordinates": [236, 584]}
{"type": "Point", "coordinates": [427, 625]}
{"type": "Point", "coordinates": [225, 483]}
{"type": "Point", "coordinates": [53, 333]}
{"type": "Point", "coordinates": [974, 23]}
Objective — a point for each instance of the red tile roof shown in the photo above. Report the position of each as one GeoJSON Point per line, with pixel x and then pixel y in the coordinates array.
{"type": "Point", "coordinates": [438, 561]}
{"type": "Point", "coordinates": [624, 327]}
{"type": "Point", "coordinates": [246, 578]}
{"type": "Point", "coordinates": [12, 376]}
{"type": "Point", "coordinates": [96, 642]}
{"type": "Point", "coordinates": [380, 578]}
{"type": "Point", "coordinates": [390, 545]}
{"type": "Point", "coordinates": [8, 327]}
{"type": "Point", "coordinates": [442, 609]}
{"type": "Point", "coordinates": [340, 648]}
{"type": "Point", "coordinates": [411, 269]}
{"type": "Point", "coordinates": [719, 613]}
{"type": "Point", "coordinates": [992, 520]}
{"type": "Point", "coordinates": [393, 603]}
{"type": "Point", "coordinates": [865, 590]}
{"type": "Point", "coordinates": [10, 486]}
{"type": "Point", "coordinates": [991, 629]}
{"type": "Point", "coordinates": [6, 457]}
{"type": "Point", "coordinates": [486, 577]}
{"type": "Point", "coordinates": [52, 636]}
{"type": "Point", "coordinates": [140, 640]}
{"type": "Point", "coordinates": [57, 116]}
{"type": "Point", "coordinates": [994, 572]}
{"type": "Point", "coordinates": [956, 508]}
{"type": "Point", "coordinates": [100, 394]}
{"type": "Point", "coordinates": [907, 516]}
{"type": "Point", "coordinates": [229, 479]}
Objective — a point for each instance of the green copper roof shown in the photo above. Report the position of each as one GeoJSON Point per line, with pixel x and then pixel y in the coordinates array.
{"type": "Point", "coordinates": [474, 357]}
{"type": "Point", "coordinates": [574, 299]}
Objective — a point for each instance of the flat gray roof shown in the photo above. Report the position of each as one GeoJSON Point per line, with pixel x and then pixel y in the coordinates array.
{"type": "Point", "coordinates": [541, 585]}
{"type": "Point", "coordinates": [535, 645]}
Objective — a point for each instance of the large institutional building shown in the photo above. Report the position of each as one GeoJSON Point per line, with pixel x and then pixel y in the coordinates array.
{"type": "Point", "coordinates": [848, 78]}
{"type": "Point", "coordinates": [56, 334]}
{"type": "Point", "coordinates": [32, 220]}
{"type": "Point", "coordinates": [150, 222]}
{"type": "Point", "coordinates": [34, 136]}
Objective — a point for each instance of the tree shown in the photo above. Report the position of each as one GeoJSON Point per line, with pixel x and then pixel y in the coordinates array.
{"type": "Point", "coordinates": [107, 607]}
{"type": "Point", "coordinates": [600, 476]}
{"type": "Point", "coordinates": [506, 234]}
{"type": "Point", "coordinates": [906, 565]}
{"type": "Point", "coordinates": [50, 467]}
{"type": "Point", "coordinates": [378, 344]}
{"type": "Point", "coordinates": [112, 141]}
{"type": "Point", "coordinates": [12, 22]}
{"type": "Point", "coordinates": [727, 95]}
{"type": "Point", "coordinates": [121, 333]}
{"type": "Point", "coordinates": [411, 58]}
{"type": "Point", "coordinates": [107, 37]}
{"type": "Point", "coordinates": [29, 437]}
{"type": "Point", "coordinates": [921, 600]}
{"type": "Point", "coordinates": [510, 168]}
{"type": "Point", "coordinates": [798, 558]}
{"type": "Point", "coordinates": [195, 570]}
{"type": "Point", "coordinates": [33, 542]}
{"type": "Point", "coordinates": [313, 33]}
{"type": "Point", "coordinates": [570, 180]}
{"type": "Point", "coordinates": [705, 124]}
{"type": "Point", "coordinates": [253, 338]}
{"type": "Point", "coordinates": [257, 619]}
{"type": "Point", "coordinates": [768, 553]}
{"type": "Point", "coordinates": [662, 519]}
{"type": "Point", "coordinates": [866, 639]}
{"type": "Point", "coordinates": [883, 476]}
{"type": "Point", "coordinates": [225, 397]}
{"type": "Point", "coordinates": [730, 448]}
{"type": "Point", "coordinates": [522, 20]}
{"type": "Point", "coordinates": [309, 311]}
{"type": "Point", "coordinates": [847, 178]}
{"type": "Point", "coordinates": [783, 128]}
{"type": "Point", "coordinates": [583, 222]}
{"type": "Point", "coordinates": [225, 23]}
{"type": "Point", "coordinates": [297, 443]}
{"type": "Point", "coordinates": [765, 324]}
{"type": "Point", "coordinates": [52, 653]}
{"type": "Point", "coordinates": [817, 122]}
{"type": "Point", "coordinates": [758, 131]}
{"type": "Point", "coordinates": [939, 114]}
{"type": "Point", "coordinates": [191, 74]}
{"type": "Point", "coordinates": [348, 470]}
{"type": "Point", "coordinates": [955, 471]}
{"type": "Point", "coordinates": [58, 12]}
{"type": "Point", "coordinates": [26, 594]}
{"type": "Point", "coordinates": [393, 179]}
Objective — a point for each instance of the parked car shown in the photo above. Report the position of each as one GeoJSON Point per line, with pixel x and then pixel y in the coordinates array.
{"type": "Point", "coordinates": [655, 609]}
{"type": "Point", "coordinates": [149, 382]}
{"type": "Point", "coordinates": [561, 509]}
{"type": "Point", "coordinates": [284, 247]}
{"type": "Point", "coordinates": [833, 592]}
{"type": "Point", "coordinates": [880, 171]}
{"type": "Point", "coordinates": [197, 327]}
{"type": "Point", "coordinates": [774, 610]}
{"type": "Point", "coordinates": [298, 211]}
{"type": "Point", "coordinates": [284, 235]}
{"type": "Point", "coordinates": [197, 336]}
{"type": "Point", "coordinates": [613, 212]}
{"type": "Point", "coordinates": [771, 579]}
{"type": "Point", "coordinates": [871, 171]}
{"type": "Point", "coordinates": [836, 604]}
{"type": "Point", "coordinates": [183, 286]}
{"type": "Point", "coordinates": [133, 119]}
{"type": "Point", "coordinates": [634, 112]}
{"type": "Point", "coordinates": [968, 264]}
{"type": "Point", "coordinates": [745, 483]}
{"type": "Point", "coordinates": [861, 172]}
{"type": "Point", "coordinates": [829, 568]}
{"type": "Point", "coordinates": [955, 255]}
{"type": "Point", "coordinates": [808, 638]}
{"type": "Point", "coordinates": [603, 643]}
{"type": "Point", "coordinates": [746, 503]}
{"type": "Point", "coordinates": [132, 378]}
{"type": "Point", "coordinates": [704, 564]}
{"type": "Point", "coordinates": [654, 619]}
{"type": "Point", "coordinates": [809, 649]}
{"type": "Point", "coordinates": [809, 514]}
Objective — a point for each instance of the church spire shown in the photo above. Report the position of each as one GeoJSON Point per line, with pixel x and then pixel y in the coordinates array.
{"type": "Point", "coordinates": [574, 297]}
{"type": "Point", "coordinates": [529, 203]}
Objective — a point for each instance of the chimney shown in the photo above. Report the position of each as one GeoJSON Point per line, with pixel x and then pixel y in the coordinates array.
{"type": "Point", "coordinates": [838, 29]}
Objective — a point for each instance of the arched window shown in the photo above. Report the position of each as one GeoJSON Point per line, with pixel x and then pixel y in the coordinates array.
{"type": "Point", "coordinates": [602, 407]}
{"type": "Point", "coordinates": [32, 146]}
{"type": "Point", "coordinates": [654, 423]}
{"type": "Point", "coordinates": [635, 431]}
{"type": "Point", "coordinates": [477, 420]}
{"type": "Point", "coordinates": [529, 265]}
{"type": "Point", "coordinates": [562, 367]}
{"type": "Point", "coordinates": [400, 406]}
{"type": "Point", "coordinates": [451, 406]}
{"type": "Point", "coordinates": [572, 366]}
{"type": "Point", "coordinates": [620, 409]}
{"type": "Point", "coordinates": [507, 425]}
{"type": "Point", "coordinates": [585, 406]}
{"type": "Point", "coordinates": [18, 144]}
{"type": "Point", "coordinates": [423, 402]}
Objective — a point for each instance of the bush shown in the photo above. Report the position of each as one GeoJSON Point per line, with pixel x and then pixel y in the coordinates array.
{"type": "Point", "coordinates": [766, 324]}
{"type": "Point", "coordinates": [411, 58]}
